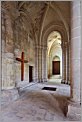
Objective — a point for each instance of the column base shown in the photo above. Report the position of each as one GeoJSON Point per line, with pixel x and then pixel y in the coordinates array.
{"type": "Point", "coordinates": [62, 81]}
{"type": "Point", "coordinates": [68, 83]}
{"type": "Point", "coordinates": [74, 103]}
{"type": "Point", "coordinates": [40, 80]}
{"type": "Point", "coordinates": [35, 80]}
{"type": "Point", "coordinates": [74, 107]}
{"type": "Point", "coordinates": [44, 80]}
{"type": "Point", "coordinates": [65, 82]}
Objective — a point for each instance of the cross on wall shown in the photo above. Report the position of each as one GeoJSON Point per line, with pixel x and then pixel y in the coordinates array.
{"type": "Point", "coordinates": [22, 65]}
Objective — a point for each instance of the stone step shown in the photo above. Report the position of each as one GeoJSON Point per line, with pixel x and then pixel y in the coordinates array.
{"type": "Point", "coordinates": [24, 84]}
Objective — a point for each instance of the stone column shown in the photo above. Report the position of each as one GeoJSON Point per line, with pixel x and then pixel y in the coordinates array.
{"type": "Point", "coordinates": [50, 64]}
{"type": "Point", "coordinates": [75, 50]}
{"type": "Point", "coordinates": [3, 71]}
{"type": "Point", "coordinates": [40, 63]}
{"type": "Point", "coordinates": [36, 63]}
{"type": "Point", "coordinates": [67, 63]}
{"type": "Point", "coordinates": [49, 73]}
{"type": "Point", "coordinates": [44, 64]}
{"type": "Point", "coordinates": [62, 81]}
{"type": "Point", "coordinates": [63, 64]}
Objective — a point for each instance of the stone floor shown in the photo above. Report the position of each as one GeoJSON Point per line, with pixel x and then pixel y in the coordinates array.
{"type": "Point", "coordinates": [35, 104]}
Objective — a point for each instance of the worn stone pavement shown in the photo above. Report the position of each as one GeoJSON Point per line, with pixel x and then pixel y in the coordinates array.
{"type": "Point", "coordinates": [35, 104]}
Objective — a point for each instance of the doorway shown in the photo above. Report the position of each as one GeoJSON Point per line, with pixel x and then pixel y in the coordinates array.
{"type": "Point", "coordinates": [30, 73]}
{"type": "Point", "coordinates": [56, 67]}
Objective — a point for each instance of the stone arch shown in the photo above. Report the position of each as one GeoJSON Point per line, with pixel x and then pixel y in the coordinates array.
{"type": "Point", "coordinates": [57, 9]}
{"type": "Point", "coordinates": [56, 26]}
{"type": "Point", "coordinates": [56, 58]}
{"type": "Point", "coordinates": [54, 49]}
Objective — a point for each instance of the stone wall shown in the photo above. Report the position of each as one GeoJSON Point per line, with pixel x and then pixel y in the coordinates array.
{"type": "Point", "coordinates": [15, 40]}
{"type": "Point", "coordinates": [8, 77]}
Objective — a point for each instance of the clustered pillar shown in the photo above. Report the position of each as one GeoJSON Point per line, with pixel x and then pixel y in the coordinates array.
{"type": "Point", "coordinates": [36, 63]}
{"type": "Point", "coordinates": [40, 64]}
{"type": "Point", "coordinates": [67, 62]}
{"type": "Point", "coordinates": [44, 64]}
{"type": "Point", "coordinates": [63, 64]}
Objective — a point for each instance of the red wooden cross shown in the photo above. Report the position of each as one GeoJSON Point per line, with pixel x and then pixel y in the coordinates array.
{"type": "Point", "coordinates": [22, 65]}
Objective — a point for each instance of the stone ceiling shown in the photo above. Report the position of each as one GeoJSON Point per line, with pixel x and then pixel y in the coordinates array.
{"type": "Point", "coordinates": [33, 10]}
{"type": "Point", "coordinates": [31, 13]}
{"type": "Point", "coordinates": [54, 39]}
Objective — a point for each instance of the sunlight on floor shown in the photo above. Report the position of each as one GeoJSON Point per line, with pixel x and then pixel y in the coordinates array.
{"type": "Point", "coordinates": [55, 79]}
